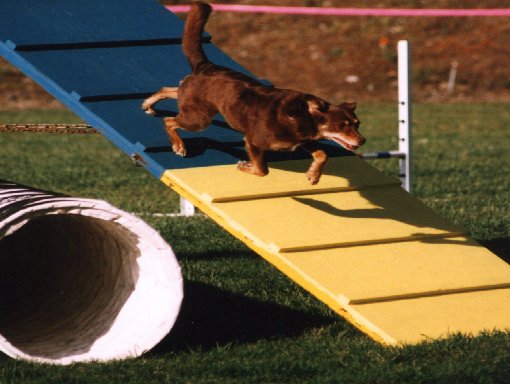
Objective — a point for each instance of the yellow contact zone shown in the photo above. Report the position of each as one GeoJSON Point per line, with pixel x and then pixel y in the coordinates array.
{"type": "Point", "coordinates": [370, 251]}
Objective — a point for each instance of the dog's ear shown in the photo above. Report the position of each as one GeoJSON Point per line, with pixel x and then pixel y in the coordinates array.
{"type": "Point", "coordinates": [295, 107]}
{"type": "Point", "coordinates": [316, 105]}
{"type": "Point", "coordinates": [349, 106]}
{"type": "Point", "coordinates": [305, 105]}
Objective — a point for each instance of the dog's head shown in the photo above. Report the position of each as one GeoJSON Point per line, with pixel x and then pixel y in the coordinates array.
{"type": "Point", "coordinates": [336, 122]}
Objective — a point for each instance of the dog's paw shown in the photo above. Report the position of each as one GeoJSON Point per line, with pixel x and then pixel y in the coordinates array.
{"type": "Point", "coordinates": [147, 108]}
{"type": "Point", "coordinates": [245, 166]}
{"type": "Point", "coordinates": [179, 149]}
{"type": "Point", "coordinates": [252, 169]}
{"type": "Point", "coordinates": [313, 177]}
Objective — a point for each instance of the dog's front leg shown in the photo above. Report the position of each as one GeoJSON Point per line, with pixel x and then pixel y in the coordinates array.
{"type": "Point", "coordinates": [171, 127]}
{"type": "Point", "coordinates": [163, 93]}
{"type": "Point", "coordinates": [257, 165]}
{"type": "Point", "coordinates": [320, 159]}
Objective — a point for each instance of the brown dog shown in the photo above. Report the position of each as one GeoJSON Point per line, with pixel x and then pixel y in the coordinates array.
{"type": "Point", "coordinates": [270, 118]}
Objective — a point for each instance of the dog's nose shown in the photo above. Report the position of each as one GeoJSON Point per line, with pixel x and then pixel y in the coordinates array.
{"type": "Point", "coordinates": [362, 140]}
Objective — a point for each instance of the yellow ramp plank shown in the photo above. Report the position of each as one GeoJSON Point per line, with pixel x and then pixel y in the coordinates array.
{"type": "Point", "coordinates": [414, 320]}
{"type": "Point", "coordinates": [225, 183]}
{"type": "Point", "coordinates": [319, 220]}
{"type": "Point", "coordinates": [376, 255]}
{"type": "Point", "coordinates": [328, 220]}
{"type": "Point", "coordinates": [401, 270]}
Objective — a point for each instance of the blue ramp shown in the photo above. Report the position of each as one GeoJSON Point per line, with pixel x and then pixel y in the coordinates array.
{"type": "Point", "coordinates": [103, 58]}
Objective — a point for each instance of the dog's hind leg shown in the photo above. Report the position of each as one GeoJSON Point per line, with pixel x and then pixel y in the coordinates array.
{"type": "Point", "coordinates": [190, 118]}
{"type": "Point", "coordinates": [320, 159]}
{"type": "Point", "coordinates": [257, 165]}
{"type": "Point", "coordinates": [163, 93]}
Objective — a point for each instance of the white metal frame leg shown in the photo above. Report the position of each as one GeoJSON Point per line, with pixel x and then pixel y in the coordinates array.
{"type": "Point", "coordinates": [186, 208]}
{"type": "Point", "coordinates": [404, 118]}
{"type": "Point", "coordinates": [404, 112]}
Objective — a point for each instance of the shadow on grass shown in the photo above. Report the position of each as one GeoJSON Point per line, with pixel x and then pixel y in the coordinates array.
{"type": "Point", "coordinates": [238, 253]}
{"type": "Point", "coordinates": [500, 247]}
{"type": "Point", "coordinates": [211, 317]}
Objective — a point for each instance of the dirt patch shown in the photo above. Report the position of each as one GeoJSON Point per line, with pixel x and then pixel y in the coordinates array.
{"type": "Point", "coordinates": [348, 58]}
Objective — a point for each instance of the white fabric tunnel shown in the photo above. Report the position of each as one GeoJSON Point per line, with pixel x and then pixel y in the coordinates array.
{"type": "Point", "coordinates": [81, 280]}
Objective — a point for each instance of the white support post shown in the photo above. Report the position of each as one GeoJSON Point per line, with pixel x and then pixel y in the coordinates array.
{"type": "Point", "coordinates": [404, 118]}
{"type": "Point", "coordinates": [186, 208]}
{"type": "Point", "coordinates": [404, 112]}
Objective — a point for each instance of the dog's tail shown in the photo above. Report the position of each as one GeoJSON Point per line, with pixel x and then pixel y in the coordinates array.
{"type": "Point", "coordinates": [192, 39]}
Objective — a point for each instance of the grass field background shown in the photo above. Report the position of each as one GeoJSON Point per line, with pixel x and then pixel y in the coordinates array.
{"type": "Point", "coordinates": [244, 322]}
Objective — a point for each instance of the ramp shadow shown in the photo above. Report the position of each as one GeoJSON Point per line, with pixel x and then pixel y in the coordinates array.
{"type": "Point", "coordinates": [500, 247]}
{"type": "Point", "coordinates": [212, 317]}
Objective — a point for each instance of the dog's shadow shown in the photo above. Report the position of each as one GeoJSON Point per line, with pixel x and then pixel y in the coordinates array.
{"type": "Point", "coordinates": [383, 211]}
{"type": "Point", "coordinates": [198, 146]}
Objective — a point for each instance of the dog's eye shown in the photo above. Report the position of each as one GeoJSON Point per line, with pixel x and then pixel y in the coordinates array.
{"type": "Point", "coordinates": [354, 123]}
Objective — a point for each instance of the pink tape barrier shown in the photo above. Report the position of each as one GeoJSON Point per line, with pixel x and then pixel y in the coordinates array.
{"type": "Point", "coordinates": [392, 12]}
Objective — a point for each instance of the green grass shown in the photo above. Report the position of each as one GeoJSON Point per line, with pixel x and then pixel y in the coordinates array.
{"type": "Point", "coordinates": [244, 322]}
{"type": "Point", "coordinates": [84, 165]}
